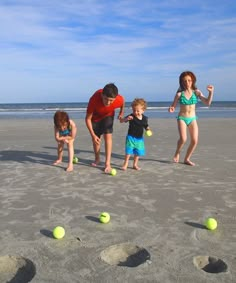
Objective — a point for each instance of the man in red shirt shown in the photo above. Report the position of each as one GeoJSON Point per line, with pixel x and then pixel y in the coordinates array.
{"type": "Point", "coordinates": [99, 120]}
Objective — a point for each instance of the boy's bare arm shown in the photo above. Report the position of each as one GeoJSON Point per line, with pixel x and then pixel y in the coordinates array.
{"type": "Point", "coordinates": [122, 110]}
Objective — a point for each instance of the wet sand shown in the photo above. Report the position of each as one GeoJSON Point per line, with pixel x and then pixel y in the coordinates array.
{"type": "Point", "coordinates": [156, 232]}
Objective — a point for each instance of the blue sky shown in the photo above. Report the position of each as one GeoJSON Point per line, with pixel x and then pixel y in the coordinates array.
{"type": "Point", "coordinates": [62, 51]}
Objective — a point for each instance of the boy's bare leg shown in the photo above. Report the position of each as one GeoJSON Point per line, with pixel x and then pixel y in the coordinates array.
{"type": "Point", "coordinates": [96, 149]}
{"type": "Point", "coordinates": [126, 162]}
{"type": "Point", "coordinates": [135, 165]}
{"type": "Point", "coordinates": [108, 150]}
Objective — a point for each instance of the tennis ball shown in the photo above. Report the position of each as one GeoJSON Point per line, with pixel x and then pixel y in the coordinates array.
{"type": "Point", "coordinates": [58, 232]}
{"type": "Point", "coordinates": [148, 133]}
{"type": "Point", "coordinates": [104, 217]}
{"type": "Point", "coordinates": [75, 159]}
{"type": "Point", "coordinates": [211, 223]}
{"type": "Point", "coordinates": [113, 172]}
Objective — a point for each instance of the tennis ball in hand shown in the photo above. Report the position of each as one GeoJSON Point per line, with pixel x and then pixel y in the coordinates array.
{"type": "Point", "coordinates": [104, 217]}
{"type": "Point", "coordinates": [113, 172]}
{"type": "Point", "coordinates": [148, 133]}
{"type": "Point", "coordinates": [211, 223]}
{"type": "Point", "coordinates": [75, 159]}
{"type": "Point", "coordinates": [58, 232]}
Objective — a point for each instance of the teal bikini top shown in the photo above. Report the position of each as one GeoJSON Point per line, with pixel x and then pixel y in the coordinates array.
{"type": "Point", "coordinates": [192, 100]}
{"type": "Point", "coordinates": [66, 132]}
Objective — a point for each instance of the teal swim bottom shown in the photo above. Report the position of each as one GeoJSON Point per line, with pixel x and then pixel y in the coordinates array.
{"type": "Point", "coordinates": [187, 120]}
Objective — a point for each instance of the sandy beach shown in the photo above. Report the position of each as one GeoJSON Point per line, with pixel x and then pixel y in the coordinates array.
{"type": "Point", "coordinates": [156, 232]}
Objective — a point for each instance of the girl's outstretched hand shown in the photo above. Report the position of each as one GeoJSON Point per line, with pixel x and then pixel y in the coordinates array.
{"type": "Point", "coordinates": [171, 109]}
{"type": "Point", "coordinates": [210, 88]}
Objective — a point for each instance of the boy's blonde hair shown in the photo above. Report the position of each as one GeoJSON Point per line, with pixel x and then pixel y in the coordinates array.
{"type": "Point", "coordinates": [141, 102]}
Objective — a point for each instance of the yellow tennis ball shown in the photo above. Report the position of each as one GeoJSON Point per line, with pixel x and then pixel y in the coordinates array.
{"type": "Point", "coordinates": [211, 223]}
{"type": "Point", "coordinates": [58, 232]}
{"type": "Point", "coordinates": [75, 159]}
{"type": "Point", "coordinates": [113, 172]}
{"type": "Point", "coordinates": [104, 217]}
{"type": "Point", "coordinates": [148, 133]}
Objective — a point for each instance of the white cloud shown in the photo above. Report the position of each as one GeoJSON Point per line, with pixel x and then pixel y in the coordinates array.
{"type": "Point", "coordinates": [70, 47]}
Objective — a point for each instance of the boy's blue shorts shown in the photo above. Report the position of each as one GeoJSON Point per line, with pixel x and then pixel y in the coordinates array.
{"type": "Point", "coordinates": [135, 146]}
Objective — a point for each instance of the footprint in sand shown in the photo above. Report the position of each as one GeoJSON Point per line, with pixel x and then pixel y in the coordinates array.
{"type": "Point", "coordinates": [16, 269]}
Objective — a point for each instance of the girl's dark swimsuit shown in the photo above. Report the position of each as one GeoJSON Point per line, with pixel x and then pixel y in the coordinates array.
{"type": "Point", "coordinates": [65, 133]}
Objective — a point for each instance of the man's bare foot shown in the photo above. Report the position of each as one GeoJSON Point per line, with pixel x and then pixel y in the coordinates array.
{"type": "Point", "coordinates": [136, 167]}
{"type": "Point", "coordinates": [107, 169]}
{"type": "Point", "coordinates": [58, 161]}
{"type": "Point", "coordinates": [188, 162]}
{"type": "Point", "coordinates": [69, 168]}
{"type": "Point", "coordinates": [95, 163]}
{"type": "Point", "coordinates": [176, 158]}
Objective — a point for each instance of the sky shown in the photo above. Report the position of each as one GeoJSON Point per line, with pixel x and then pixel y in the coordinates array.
{"type": "Point", "coordinates": [64, 50]}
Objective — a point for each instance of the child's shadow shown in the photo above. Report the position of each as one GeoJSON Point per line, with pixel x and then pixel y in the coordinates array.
{"type": "Point", "coordinates": [23, 156]}
{"type": "Point", "coordinates": [158, 160]}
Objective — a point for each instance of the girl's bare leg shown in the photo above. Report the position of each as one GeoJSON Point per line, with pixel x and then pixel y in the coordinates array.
{"type": "Point", "coordinates": [60, 146]}
{"type": "Point", "coordinates": [108, 150]}
{"type": "Point", "coordinates": [135, 165]}
{"type": "Point", "coordinates": [126, 162]}
{"type": "Point", "coordinates": [193, 131]}
{"type": "Point", "coordinates": [70, 147]}
{"type": "Point", "coordinates": [182, 127]}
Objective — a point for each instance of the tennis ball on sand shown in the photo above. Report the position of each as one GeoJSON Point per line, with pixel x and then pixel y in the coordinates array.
{"type": "Point", "coordinates": [211, 223]}
{"type": "Point", "coordinates": [113, 172]}
{"type": "Point", "coordinates": [104, 217]}
{"type": "Point", "coordinates": [75, 159]}
{"type": "Point", "coordinates": [148, 133]}
{"type": "Point", "coordinates": [58, 232]}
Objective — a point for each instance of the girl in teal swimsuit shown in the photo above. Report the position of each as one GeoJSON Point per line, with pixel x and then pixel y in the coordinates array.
{"type": "Point", "coordinates": [187, 96]}
{"type": "Point", "coordinates": [65, 132]}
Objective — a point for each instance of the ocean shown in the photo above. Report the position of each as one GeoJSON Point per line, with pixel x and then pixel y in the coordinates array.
{"type": "Point", "coordinates": [77, 110]}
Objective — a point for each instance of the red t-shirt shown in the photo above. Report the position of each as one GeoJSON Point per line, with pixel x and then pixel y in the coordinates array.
{"type": "Point", "coordinates": [101, 111]}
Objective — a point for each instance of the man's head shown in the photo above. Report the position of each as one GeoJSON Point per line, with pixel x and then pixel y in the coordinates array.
{"type": "Point", "coordinates": [110, 90]}
{"type": "Point", "coordinates": [109, 93]}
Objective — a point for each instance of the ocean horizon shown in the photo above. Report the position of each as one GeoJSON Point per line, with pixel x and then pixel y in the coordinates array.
{"type": "Point", "coordinates": [77, 110]}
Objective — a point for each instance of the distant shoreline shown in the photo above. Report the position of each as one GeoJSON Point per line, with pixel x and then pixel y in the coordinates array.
{"type": "Point", "coordinates": [85, 102]}
{"type": "Point", "coordinates": [220, 109]}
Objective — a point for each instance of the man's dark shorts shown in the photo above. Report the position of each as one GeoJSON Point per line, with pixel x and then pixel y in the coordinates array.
{"type": "Point", "coordinates": [104, 126]}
